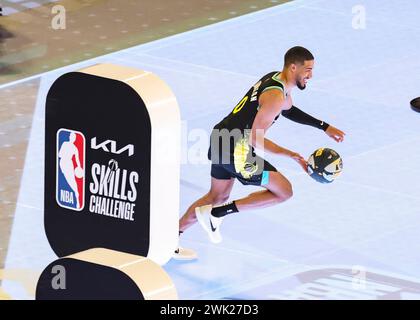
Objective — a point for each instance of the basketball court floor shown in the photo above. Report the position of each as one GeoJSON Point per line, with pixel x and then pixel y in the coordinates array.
{"type": "Point", "coordinates": [356, 238]}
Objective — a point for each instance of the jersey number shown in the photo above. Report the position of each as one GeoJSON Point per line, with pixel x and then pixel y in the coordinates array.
{"type": "Point", "coordinates": [240, 105]}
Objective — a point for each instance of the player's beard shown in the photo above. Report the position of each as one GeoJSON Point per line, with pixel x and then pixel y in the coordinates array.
{"type": "Point", "coordinates": [300, 86]}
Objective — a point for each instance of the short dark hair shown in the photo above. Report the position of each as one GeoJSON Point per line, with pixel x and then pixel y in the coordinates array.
{"type": "Point", "coordinates": [297, 55]}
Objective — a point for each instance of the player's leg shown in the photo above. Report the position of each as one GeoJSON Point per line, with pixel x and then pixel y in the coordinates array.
{"type": "Point", "coordinates": [219, 193]}
{"type": "Point", "coordinates": [279, 189]}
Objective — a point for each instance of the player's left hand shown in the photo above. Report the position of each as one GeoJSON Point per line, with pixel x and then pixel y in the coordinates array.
{"type": "Point", "coordinates": [335, 133]}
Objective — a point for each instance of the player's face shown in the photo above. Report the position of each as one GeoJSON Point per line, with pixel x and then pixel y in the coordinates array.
{"type": "Point", "coordinates": [304, 73]}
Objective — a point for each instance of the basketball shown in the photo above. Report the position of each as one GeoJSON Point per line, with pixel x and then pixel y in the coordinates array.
{"type": "Point", "coordinates": [325, 165]}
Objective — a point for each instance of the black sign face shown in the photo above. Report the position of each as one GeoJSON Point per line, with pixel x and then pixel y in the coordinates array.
{"type": "Point", "coordinates": [97, 166]}
{"type": "Point", "coordinates": [72, 279]}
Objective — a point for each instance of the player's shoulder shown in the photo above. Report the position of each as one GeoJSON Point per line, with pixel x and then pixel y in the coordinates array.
{"type": "Point", "coordinates": [272, 79]}
{"type": "Point", "coordinates": [271, 82]}
{"type": "Point", "coordinates": [272, 95]}
{"type": "Point", "coordinates": [269, 76]}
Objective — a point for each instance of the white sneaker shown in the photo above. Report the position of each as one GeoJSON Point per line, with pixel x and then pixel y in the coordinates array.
{"type": "Point", "coordinates": [209, 223]}
{"type": "Point", "coordinates": [184, 254]}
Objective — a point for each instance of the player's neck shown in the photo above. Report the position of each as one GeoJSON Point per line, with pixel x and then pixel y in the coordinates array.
{"type": "Point", "coordinates": [284, 77]}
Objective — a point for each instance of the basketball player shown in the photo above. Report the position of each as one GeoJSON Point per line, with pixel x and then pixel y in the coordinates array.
{"type": "Point", "coordinates": [232, 146]}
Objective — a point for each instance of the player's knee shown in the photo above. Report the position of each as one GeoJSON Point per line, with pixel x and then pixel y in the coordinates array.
{"type": "Point", "coordinates": [283, 196]}
{"type": "Point", "coordinates": [288, 192]}
{"type": "Point", "coordinates": [285, 192]}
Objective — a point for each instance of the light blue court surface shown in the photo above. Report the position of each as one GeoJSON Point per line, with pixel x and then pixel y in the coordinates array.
{"type": "Point", "coordinates": [358, 237]}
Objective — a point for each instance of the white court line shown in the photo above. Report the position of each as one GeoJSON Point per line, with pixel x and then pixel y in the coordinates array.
{"type": "Point", "coordinates": [211, 28]}
{"type": "Point", "coordinates": [373, 188]}
{"type": "Point", "coordinates": [392, 145]}
{"type": "Point", "coordinates": [226, 290]}
{"type": "Point", "coordinates": [192, 185]}
{"type": "Point", "coordinates": [280, 9]}
{"type": "Point", "coordinates": [83, 64]}
{"type": "Point", "coordinates": [305, 260]}
{"type": "Point", "coordinates": [361, 242]}
{"type": "Point", "coordinates": [302, 173]}
{"type": "Point", "coordinates": [293, 172]}
{"type": "Point", "coordinates": [195, 65]}
{"type": "Point", "coordinates": [251, 283]}
{"type": "Point", "coordinates": [23, 205]}
{"type": "Point", "coordinates": [201, 115]}
{"type": "Point", "coordinates": [156, 66]}
{"type": "Point", "coordinates": [267, 277]}
{"type": "Point", "coordinates": [364, 68]}
{"type": "Point", "coordinates": [295, 5]}
{"type": "Point", "coordinates": [265, 255]}
{"type": "Point", "coordinates": [255, 77]}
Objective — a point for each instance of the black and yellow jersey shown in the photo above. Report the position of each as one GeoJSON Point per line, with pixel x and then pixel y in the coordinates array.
{"type": "Point", "coordinates": [243, 115]}
{"type": "Point", "coordinates": [231, 135]}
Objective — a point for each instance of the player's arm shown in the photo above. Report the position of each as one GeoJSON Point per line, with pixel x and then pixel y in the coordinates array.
{"type": "Point", "coordinates": [270, 103]}
{"type": "Point", "coordinates": [299, 116]}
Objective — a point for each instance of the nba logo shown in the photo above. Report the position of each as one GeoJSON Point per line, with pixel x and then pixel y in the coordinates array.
{"type": "Point", "coordinates": [70, 158]}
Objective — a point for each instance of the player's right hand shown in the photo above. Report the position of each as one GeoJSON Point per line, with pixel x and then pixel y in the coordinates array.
{"type": "Point", "coordinates": [301, 160]}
